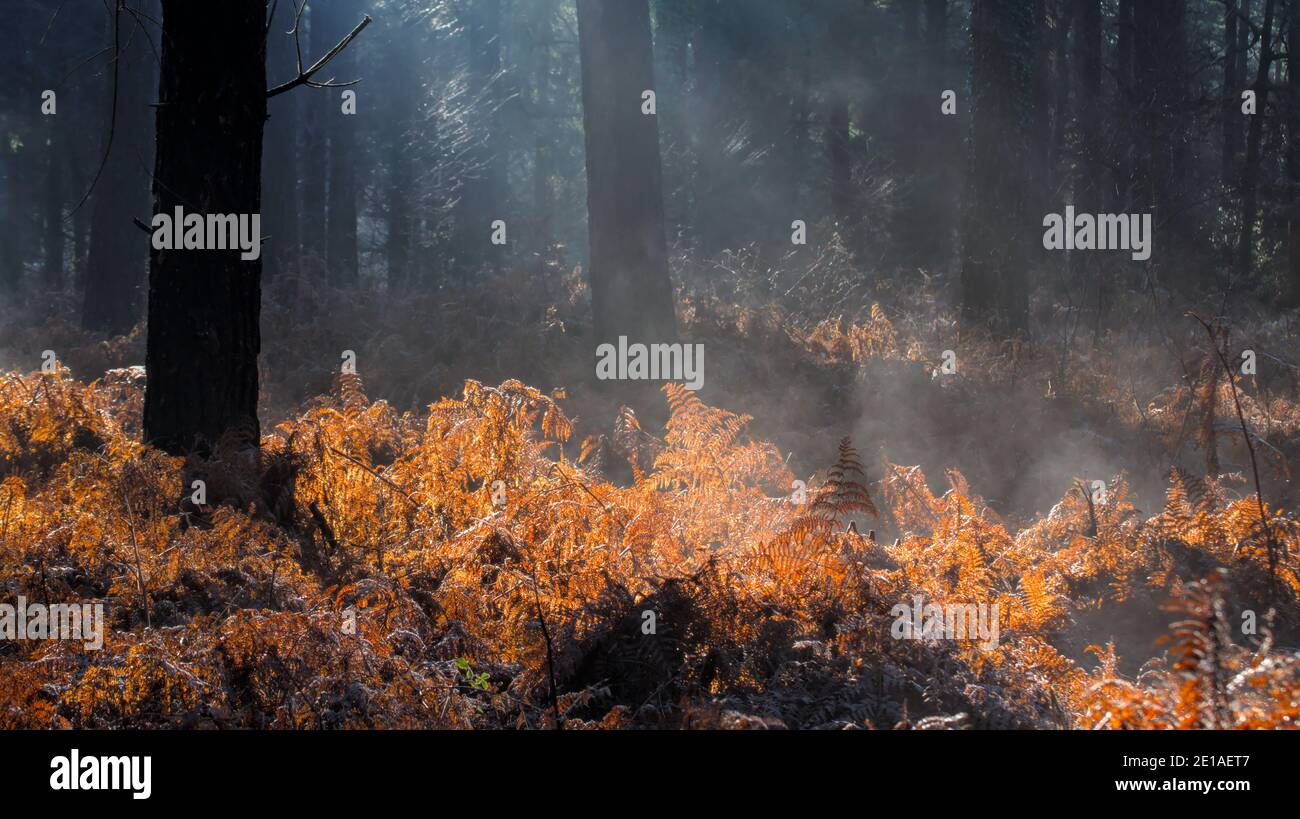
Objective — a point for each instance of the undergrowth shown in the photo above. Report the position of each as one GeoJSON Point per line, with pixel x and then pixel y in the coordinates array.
{"type": "Point", "coordinates": [474, 566]}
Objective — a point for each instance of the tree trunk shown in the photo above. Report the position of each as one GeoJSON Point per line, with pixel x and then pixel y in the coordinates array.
{"type": "Point", "coordinates": [674, 21]}
{"type": "Point", "coordinates": [1065, 15]}
{"type": "Point", "coordinates": [1291, 289]}
{"type": "Point", "coordinates": [715, 221]}
{"type": "Point", "coordinates": [483, 196]}
{"type": "Point", "coordinates": [1162, 96]}
{"type": "Point", "coordinates": [1250, 173]}
{"type": "Point", "coordinates": [314, 170]}
{"type": "Point", "coordinates": [1231, 92]}
{"type": "Point", "coordinates": [631, 292]}
{"type": "Point", "coordinates": [118, 257]}
{"type": "Point", "coordinates": [944, 141]}
{"type": "Point", "coordinates": [204, 305]}
{"type": "Point", "coordinates": [1041, 98]}
{"type": "Point", "coordinates": [1090, 169]}
{"type": "Point", "coordinates": [10, 257]}
{"type": "Point", "coordinates": [401, 167]}
{"type": "Point", "coordinates": [341, 220]}
{"type": "Point", "coordinates": [1126, 150]}
{"type": "Point", "coordinates": [1087, 66]}
{"type": "Point", "coordinates": [996, 225]}
{"type": "Point", "coordinates": [1236, 129]}
{"type": "Point", "coordinates": [839, 167]}
{"type": "Point", "coordinates": [54, 236]}
{"type": "Point", "coordinates": [913, 225]}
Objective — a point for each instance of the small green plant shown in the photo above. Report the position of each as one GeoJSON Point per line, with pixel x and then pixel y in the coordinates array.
{"type": "Point", "coordinates": [478, 682]}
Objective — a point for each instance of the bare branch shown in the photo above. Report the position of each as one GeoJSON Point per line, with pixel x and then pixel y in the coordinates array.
{"type": "Point", "coordinates": [304, 77]}
{"type": "Point", "coordinates": [112, 116]}
{"type": "Point", "coordinates": [1250, 449]}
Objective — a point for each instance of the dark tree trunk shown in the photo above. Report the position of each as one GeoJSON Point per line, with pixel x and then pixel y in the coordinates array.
{"type": "Point", "coordinates": [1255, 136]}
{"type": "Point", "coordinates": [483, 197]}
{"type": "Point", "coordinates": [716, 196]}
{"type": "Point", "coordinates": [1090, 169]}
{"type": "Point", "coordinates": [10, 258]}
{"type": "Point", "coordinates": [1087, 66]}
{"type": "Point", "coordinates": [118, 257]}
{"type": "Point", "coordinates": [1162, 96]}
{"type": "Point", "coordinates": [1061, 99]}
{"type": "Point", "coordinates": [1235, 129]}
{"type": "Point", "coordinates": [944, 140]}
{"type": "Point", "coordinates": [1291, 288]}
{"type": "Point", "coordinates": [204, 305]}
{"type": "Point", "coordinates": [280, 166]}
{"type": "Point", "coordinates": [996, 224]}
{"type": "Point", "coordinates": [54, 236]}
{"type": "Point", "coordinates": [1126, 151]}
{"type": "Point", "coordinates": [631, 292]}
{"type": "Point", "coordinates": [402, 132]}
{"type": "Point", "coordinates": [914, 222]}
{"type": "Point", "coordinates": [314, 169]}
{"type": "Point", "coordinates": [839, 166]}
{"type": "Point", "coordinates": [1231, 91]}
{"type": "Point", "coordinates": [1040, 46]}
{"type": "Point", "coordinates": [672, 45]}
{"type": "Point", "coordinates": [936, 40]}
{"type": "Point", "coordinates": [80, 244]}
{"type": "Point", "coordinates": [341, 220]}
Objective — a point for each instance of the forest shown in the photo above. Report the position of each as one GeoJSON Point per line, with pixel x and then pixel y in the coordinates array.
{"type": "Point", "coordinates": [649, 364]}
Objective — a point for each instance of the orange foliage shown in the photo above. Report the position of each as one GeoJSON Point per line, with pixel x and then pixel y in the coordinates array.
{"type": "Point", "coordinates": [368, 568]}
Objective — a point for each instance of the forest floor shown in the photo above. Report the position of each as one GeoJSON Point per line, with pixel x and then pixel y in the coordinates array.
{"type": "Point", "coordinates": [473, 532]}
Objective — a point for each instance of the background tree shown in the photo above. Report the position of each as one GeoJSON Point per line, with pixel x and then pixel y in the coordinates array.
{"type": "Point", "coordinates": [996, 225]}
{"type": "Point", "coordinates": [631, 294]}
{"type": "Point", "coordinates": [338, 17]}
{"type": "Point", "coordinates": [1254, 139]}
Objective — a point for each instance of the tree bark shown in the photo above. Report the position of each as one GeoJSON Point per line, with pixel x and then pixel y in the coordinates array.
{"type": "Point", "coordinates": [1231, 93]}
{"type": "Point", "coordinates": [944, 141]}
{"type": "Point", "coordinates": [204, 305]}
{"type": "Point", "coordinates": [1255, 136]}
{"type": "Point", "coordinates": [54, 236]}
{"type": "Point", "coordinates": [995, 221]}
{"type": "Point", "coordinates": [314, 168]}
{"type": "Point", "coordinates": [10, 258]}
{"type": "Point", "coordinates": [341, 219]}
{"type": "Point", "coordinates": [401, 168]}
{"type": "Point", "coordinates": [1291, 289]}
{"type": "Point", "coordinates": [631, 291]}
{"type": "Point", "coordinates": [483, 195]}
{"type": "Point", "coordinates": [1090, 169]}
{"type": "Point", "coordinates": [1087, 66]}
{"type": "Point", "coordinates": [1126, 152]}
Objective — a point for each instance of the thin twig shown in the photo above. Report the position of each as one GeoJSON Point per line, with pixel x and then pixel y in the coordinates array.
{"type": "Point", "coordinates": [135, 548]}
{"type": "Point", "coordinates": [550, 658]}
{"type": "Point", "coordinates": [1250, 448]}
